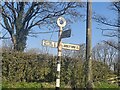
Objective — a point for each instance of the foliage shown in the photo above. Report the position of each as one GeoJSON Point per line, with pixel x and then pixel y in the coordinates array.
{"type": "Point", "coordinates": [23, 67]}
{"type": "Point", "coordinates": [100, 71]}
{"type": "Point", "coordinates": [41, 68]}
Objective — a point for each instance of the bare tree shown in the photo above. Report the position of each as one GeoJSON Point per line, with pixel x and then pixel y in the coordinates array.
{"type": "Point", "coordinates": [19, 18]}
{"type": "Point", "coordinates": [113, 31]}
{"type": "Point", "coordinates": [104, 53]}
{"type": "Point", "coordinates": [76, 54]}
{"type": "Point", "coordinates": [81, 53]}
{"type": "Point", "coordinates": [114, 24]}
{"type": "Point", "coordinates": [6, 45]}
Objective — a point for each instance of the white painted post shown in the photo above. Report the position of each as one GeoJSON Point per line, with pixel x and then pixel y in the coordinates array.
{"type": "Point", "coordinates": [61, 23]}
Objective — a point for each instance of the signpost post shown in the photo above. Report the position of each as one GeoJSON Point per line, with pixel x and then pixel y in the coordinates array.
{"type": "Point", "coordinates": [65, 34]}
{"type": "Point", "coordinates": [61, 23]}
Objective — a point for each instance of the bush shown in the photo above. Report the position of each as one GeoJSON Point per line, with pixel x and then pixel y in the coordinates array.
{"type": "Point", "coordinates": [100, 71]}
{"type": "Point", "coordinates": [19, 67]}
{"type": "Point", "coordinates": [26, 67]}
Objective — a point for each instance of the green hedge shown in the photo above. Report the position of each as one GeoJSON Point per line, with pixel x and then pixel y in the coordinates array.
{"type": "Point", "coordinates": [25, 67]}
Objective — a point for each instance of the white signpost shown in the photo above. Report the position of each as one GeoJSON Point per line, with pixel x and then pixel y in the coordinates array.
{"type": "Point", "coordinates": [62, 34]}
{"type": "Point", "coordinates": [64, 45]}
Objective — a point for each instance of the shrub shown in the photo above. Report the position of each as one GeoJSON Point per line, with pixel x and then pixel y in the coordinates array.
{"type": "Point", "coordinates": [26, 67]}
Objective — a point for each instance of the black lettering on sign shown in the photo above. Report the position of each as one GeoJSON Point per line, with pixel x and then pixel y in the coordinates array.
{"type": "Point", "coordinates": [53, 44]}
{"type": "Point", "coordinates": [65, 45]}
{"type": "Point", "coordinates": [50, 43]}
{"type": "Point", "coordinates": [77, 47]}
{"type": "Point", "coordinates": [72, 46]}
{"type": "Point", "coordinates": [46, 43]}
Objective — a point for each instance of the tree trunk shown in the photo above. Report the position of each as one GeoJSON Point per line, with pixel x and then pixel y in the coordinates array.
{"type": "Point", "coordinates": [14, 41]}
{"type": "Point", "coordinates": [118, 69]}
{"type": "Point", "coordinates": [19, 40]}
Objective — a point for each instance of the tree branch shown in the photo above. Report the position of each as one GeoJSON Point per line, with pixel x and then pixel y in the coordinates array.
{"type": "Point", "coordinates": [101, 20]}
{"type": "Point", "coordinates": [3, 37]}
{"type": "Point", "coordinates": [111, 44]}
{"type": "Point", "coordinates": [11, 7]}
{"type": "Point", "coordinates": [117, 7]}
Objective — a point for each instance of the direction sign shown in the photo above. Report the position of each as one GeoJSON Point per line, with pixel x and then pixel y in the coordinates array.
{"type": "Point", "coordinates": [64, 45]}
{"type": "Point", "coordinates": [49, 43]}
{"type": "Point", "coordinates": [70, 46]}
{"type": "Point", "coordinates": [66, 34]}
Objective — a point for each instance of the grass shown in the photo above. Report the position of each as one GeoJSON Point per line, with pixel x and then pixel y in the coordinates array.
{"type": "Point", "coordinates": [98, 85]}
{"type": "Point", "coordinates": [21, 85]}
{"type": "Point", "coordinates": [0, 86]}
{"type": "Point", "coordinates": [105, 85]}
{"type": "Point", "coordinates": [27, 85]}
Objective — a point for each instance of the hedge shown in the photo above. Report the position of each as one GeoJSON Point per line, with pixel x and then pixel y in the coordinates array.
{"type": "Point", "coordinates": [26, 67]}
